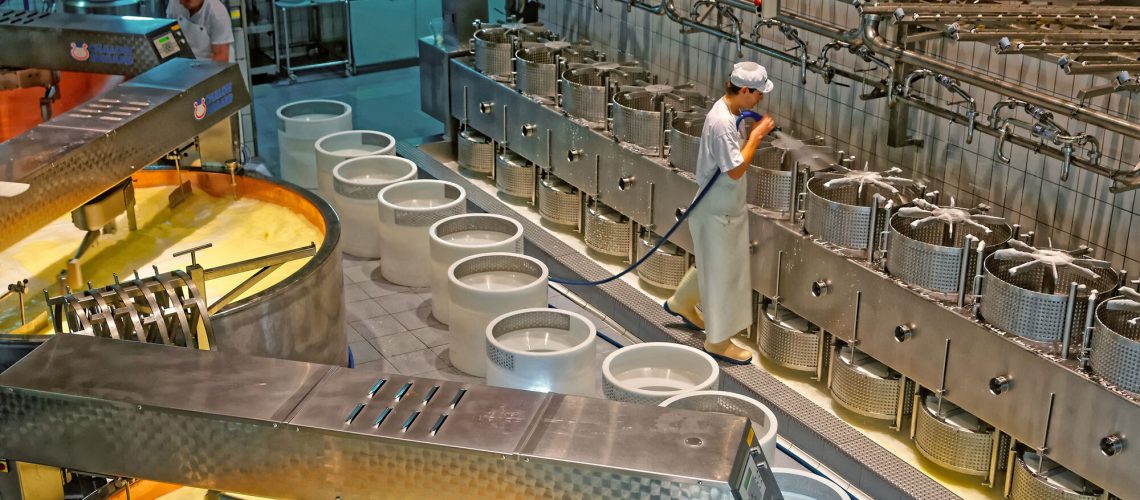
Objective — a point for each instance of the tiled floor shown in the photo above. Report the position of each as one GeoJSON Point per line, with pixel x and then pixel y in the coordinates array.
{"type": "Point", "coordinates": [390, 327]}
{"type": "Point", "coordinates": [387, 101]}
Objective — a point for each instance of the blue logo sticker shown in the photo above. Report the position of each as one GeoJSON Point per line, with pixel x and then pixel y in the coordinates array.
{"type": "Point", "coordinates": [102, 53]}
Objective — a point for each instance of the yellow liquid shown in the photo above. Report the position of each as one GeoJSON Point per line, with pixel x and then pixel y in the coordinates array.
{"type": "Point", "coordinates": [239, 229]}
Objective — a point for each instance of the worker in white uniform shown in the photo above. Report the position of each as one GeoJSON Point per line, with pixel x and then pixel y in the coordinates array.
{"type": "Point", "coordinates": [206, 25]}
{"type": "Point", "coordinates": [719, 223]}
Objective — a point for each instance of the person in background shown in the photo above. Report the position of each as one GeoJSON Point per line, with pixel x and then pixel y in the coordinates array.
{"type": "Point", "coordinates": [721, 280]}
{"type": "Point", "coordinates": [206, 25]}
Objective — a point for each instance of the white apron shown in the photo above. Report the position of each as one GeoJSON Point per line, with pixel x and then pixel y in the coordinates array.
{"type": "Point", "coordinates": [197, 38]}
{"type": "Point", "coordinates": [719, 225]}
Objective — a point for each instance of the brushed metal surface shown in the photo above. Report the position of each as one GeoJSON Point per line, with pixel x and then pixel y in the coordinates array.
{"type": "Point", "coordinates": [571, 429]}
{"type": "Point", "coordinates": [1017, 303]}
{"type": "Point", "coordinates": [476, 152]}
{"type": "Point", "coordinates": [301, 317]}
{"type": "Point", "coordinates": [941, 436]}
{"type": "Point", "coordinates": [639, 122]}
{"type": "Point", "coordinates": [584, 95]}
{"type": "Point", "coordinates": [493, 50]}
{"type": "Point", "coordinates": [514, 175]}
{"type": "Point", "coordinates": [80, 154]}
{"type": "Point", "coordinates": [221, 383]}
{"type": "Point", "coordinates": [921, 257]}
{"type": "Point", "coordinates": [666, 267]}
{"type": "Point", "coordinates": [786, 339]}
{"type": "Point", "coordinates": [1035, 478]}
{"type": "Point", "coordinates": [840, 215]}
{"type": "Point", "coordinates": [770, 181]}
{"type": "Point", "coordinates": [1116, 347]}
{"type": "Point", "coordinates": [558, 202]}
{"type": "Point", "coordinates": [863, 385]}
{"type": "Point", "coordinates": [297, 430]}
{"type": "Point", "coordinates": [608, 231]}
{"type": "Point", "coordinates": [48, 39]}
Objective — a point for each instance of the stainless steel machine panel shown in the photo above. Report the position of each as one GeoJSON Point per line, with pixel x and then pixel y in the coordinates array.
{"type": "Point", "coordinates": [515, 176]}
{"type": "Point", "coordinates": [787, 340]}
{"type": "Point", "coordinates": [531, 124]}
{"type": "Point", "coordinates": [1038, 478]}
{"type": "Point", "coordinates": [255, 426]}
{"type": "Point", "coordinates": [952, 438]}
{"type": "Point", "coordinates": [435, 94]}
{"type": "Point", "coordinates": [579, 156]}
{"type": "Point", "coordinates": [863, 385]}
{"type": "Point", "coordinates": [80, 154]}
{"type": "Point", "coordinates": [476, 152]}
{"type": "Point", "coordinates": [858, 301]}
{"type": "Point", "coordinates": [90, 43]}
{"type": "Point", "coordinates": [1116, 346]}
{"type": "Point", "coordinates": [477, 103]}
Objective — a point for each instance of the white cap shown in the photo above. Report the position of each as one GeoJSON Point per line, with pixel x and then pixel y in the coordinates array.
{"type": "Point", "coordinates": [751, 75]}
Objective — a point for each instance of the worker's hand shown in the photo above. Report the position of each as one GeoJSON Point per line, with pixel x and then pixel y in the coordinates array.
{"type": "Point", "coordinates": [762, 128]}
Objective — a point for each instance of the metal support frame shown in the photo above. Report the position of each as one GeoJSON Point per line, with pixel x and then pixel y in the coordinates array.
{"type": "Point", "coordinates": [867, 39]}
{"type": "Point", "coordinates": [975, 352]}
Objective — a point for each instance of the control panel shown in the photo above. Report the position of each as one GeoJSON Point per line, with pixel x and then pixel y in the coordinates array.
{"type": "Point", "coordinates": [168, 44]}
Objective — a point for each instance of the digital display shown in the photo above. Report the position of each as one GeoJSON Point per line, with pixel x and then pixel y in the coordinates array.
{"type": "Point", "coordinates": [166, 46]}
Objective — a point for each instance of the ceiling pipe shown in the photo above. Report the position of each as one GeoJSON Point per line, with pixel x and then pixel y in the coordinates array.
{"type": "Point", "coordinates": [876, 43]}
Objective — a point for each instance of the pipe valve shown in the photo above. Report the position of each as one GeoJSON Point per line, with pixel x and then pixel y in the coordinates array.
{"type": "Point", "coordinates": [904, 332]}
{"type": "Point", "coordinates": [1112, 444]}
{"type": "Point", "coordinates": [1000, 384]}
{"type": "Point", "coordinates": [820, 288]}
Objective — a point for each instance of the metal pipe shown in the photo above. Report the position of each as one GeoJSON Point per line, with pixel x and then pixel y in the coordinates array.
{"type": "Point", "coordinates": [972, 106]}
{"type": "Point", "coordinates": [999, 148]}
{"type": "Point", "coordinates": [1070, 315]}
{"type": "Point", "coordinates": [995, 112]}
{"type": "Point", "coordinates": [912, 77]}
{"type": "Point", "coordinates": [962, 9]}
{"type": "Point", "coordinates": [1023, 47]}
{"type": "Point", "coordinates": [1046, 36]}
{"type": "Point", "coordinates": [1086, 341]}
{"type": "Point", "coordinates": [794, 35]}
{"type": "Point", "coordinates": [852, 36]}
{"type": "Point", "coordinates": [1084, 68]}
{"type": "Point", "coordinates": [964, 269]}
{"type": "Point", "coordinates": [876, 43]}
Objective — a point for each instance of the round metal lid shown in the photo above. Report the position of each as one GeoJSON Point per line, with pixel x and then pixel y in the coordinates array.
{"type": "Point", "coordinates": [659, 88]}
{"type": "Point", "coordinates": [786, 319]}
{"type": "Point", "coordinates": [1055, 475]}
{"type": "Point", "coordinates": [600, 211]}
{"type": "Point", "coordinates": [512, 158]}
{"type": "Point", "coordinates": [555, 184]}
{"type": "Point", "coordinates": [866, 365]}
{"type": "Point", "coordinates": [952, 415]}
{"type": "Point", "coordinates": [474, 136]}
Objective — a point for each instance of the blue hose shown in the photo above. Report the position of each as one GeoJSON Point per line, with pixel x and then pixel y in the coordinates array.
{"type": "Point", "coordinates": [351, 359]}
{"type": "Point", "coordinates": [648, 254]}
{"type": "Point", "coordinates": [665, 237]}
{"type": "Point", "coordinates": [599, 333]}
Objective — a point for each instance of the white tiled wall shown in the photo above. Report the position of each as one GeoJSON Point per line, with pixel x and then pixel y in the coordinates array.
{"type": "Point", "coordinates": [1028, 191]}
